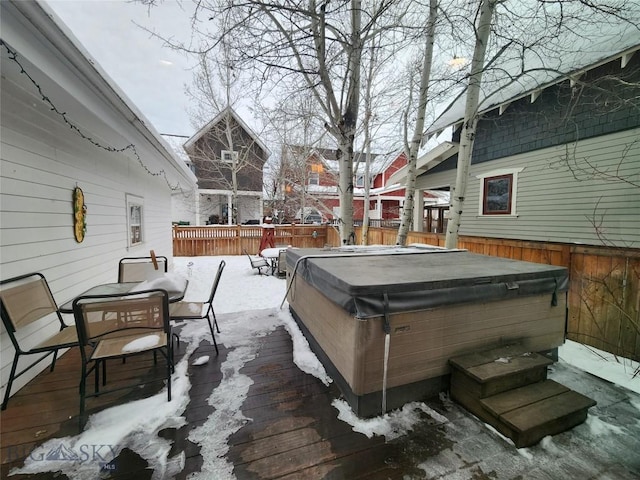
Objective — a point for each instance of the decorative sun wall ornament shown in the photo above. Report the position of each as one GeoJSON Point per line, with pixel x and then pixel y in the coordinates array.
{"type": "Point", "coordinates": [79, 215]}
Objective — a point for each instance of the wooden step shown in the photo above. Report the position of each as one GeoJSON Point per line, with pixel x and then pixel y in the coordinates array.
{"type": "Point", "coordinates": [488, 373]}
{"type": "Point", "coordinates": [528, 414]}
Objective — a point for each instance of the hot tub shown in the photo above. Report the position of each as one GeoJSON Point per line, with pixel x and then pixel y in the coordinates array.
{"type": "Point", "coordinates": [434, 304]}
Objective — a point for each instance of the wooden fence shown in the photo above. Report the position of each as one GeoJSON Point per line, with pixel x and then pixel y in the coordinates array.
{"type": "Point", "coordinates": [235, 239]}
{"type": "Point", "coordinates": [604, 290]}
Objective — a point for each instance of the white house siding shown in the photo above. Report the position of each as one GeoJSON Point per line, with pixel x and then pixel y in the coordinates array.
{"type": "Point", "coordinates": [552, 204]}
{"type": "Point", "coordinates": [42, 159]}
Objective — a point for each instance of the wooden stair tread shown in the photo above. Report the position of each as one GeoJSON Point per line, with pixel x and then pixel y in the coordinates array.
{"type": "Point", "coordinates": [546, 411]}
{"type": "Point", "coordinates": [520, 397]}
{"type": "Point", "coordinates": [479, 358]}
{"type": "Point", "coordinates": [511, 366]}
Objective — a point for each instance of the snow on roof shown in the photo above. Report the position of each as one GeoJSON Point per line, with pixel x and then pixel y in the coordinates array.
{"type": "Point", "coordinates": [574, 52]}
{"type": "Point", "coordinates": [379, 161]}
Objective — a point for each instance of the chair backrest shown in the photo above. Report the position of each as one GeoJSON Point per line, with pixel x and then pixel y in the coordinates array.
{"type": "Point", "coordinates": [108, 316]}
{"type": "Point", "coordinates": [282, 262]}
{"type": "Point", "coordinates": [136, 269]}
{"type": "Point", "coordinates": [216, 281]}
{"type": "Point", "coordinates": [26, 299]}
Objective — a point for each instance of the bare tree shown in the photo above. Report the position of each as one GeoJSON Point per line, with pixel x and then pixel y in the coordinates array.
{"type": "Point", "coordinates": [411, 147]}
{"type": "Point", "coordinates": [227, 154]}
{"type": "Point", "coordinates": [470, 122]}
{"type": "Point", "coordinates": [319, 46]}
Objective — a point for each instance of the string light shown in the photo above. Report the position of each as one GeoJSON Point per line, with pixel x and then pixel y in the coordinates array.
{"type": "Point", "coordinates": [13, 55]}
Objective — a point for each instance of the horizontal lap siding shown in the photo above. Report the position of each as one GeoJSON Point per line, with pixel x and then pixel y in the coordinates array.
{"type": "Point", "coordinates": [555, 205]}
{"type": "Point", "coordinates": [41, 161]}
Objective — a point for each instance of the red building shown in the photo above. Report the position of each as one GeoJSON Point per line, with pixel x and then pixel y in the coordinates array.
{"type": "Point", "coordinates": [311, 185]}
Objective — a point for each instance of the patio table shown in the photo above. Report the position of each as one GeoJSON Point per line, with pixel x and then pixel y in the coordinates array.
{"type": "Point", "coordinates": [114, 289]}
{"type": "Point", "coordinates": [272, 255]}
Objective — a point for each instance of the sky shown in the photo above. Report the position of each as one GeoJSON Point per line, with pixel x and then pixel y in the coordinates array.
{"type": "Point", "coordinates": [152, 75]}
{"type": "Point", "coordinates": [242, 325]}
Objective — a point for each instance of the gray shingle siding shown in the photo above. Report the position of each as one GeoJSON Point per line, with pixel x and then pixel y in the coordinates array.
{"type": "Point", "coordinates": [577, 159]}
{"type": "Point", "coordinates": [595, 106]}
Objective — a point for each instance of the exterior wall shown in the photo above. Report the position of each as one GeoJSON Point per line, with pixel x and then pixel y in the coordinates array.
{"type": "Point", "coordinates": [183, 208]}
{"type": "Point", "coordinates": [562, 114]}
{"type": "Point", "coordinates": [558, 199]}
{"type": "Point", "coordinates": [214, 174]}
{"type": "Point", "coordinates": [42, 160]}
{"type": "Point", "coordinates": [396, 165]}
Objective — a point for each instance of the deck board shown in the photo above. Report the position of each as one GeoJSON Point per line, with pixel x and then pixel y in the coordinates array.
{"type": "Point", "coordinates": [293, 433]}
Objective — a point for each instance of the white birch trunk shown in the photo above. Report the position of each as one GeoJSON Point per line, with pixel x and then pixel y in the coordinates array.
{"type": "Point", "coordinates": [411, 149]}
{"type": "Point", "coordinates": [348, 128]}
{"type": "Point", "coordinates": [470, 122]}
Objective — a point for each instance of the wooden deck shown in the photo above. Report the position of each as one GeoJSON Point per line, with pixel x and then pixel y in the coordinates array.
{"type": "Point", "coordinates": [294, 432]}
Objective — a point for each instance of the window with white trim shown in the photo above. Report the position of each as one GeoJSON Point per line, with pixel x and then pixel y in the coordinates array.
{"type": "Point", "coordinates": [227, 156]}
{"type": "Point", "coordinates": [135, 217]}
{"type": "Point", "coordinates": [360, 181]}
{"type": "Point", "coordinates": [314, 178]}
{"type": "Point", "coordinates": [498, 191]}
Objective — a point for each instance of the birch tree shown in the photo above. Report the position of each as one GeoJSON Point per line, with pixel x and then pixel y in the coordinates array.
{"type": "Point", "coordinates": [470, 121]}
{"type": "Point", "coordinates": [318, 45]}
{"type": "Point", "coordinates": [411, 147]}
{"type": "Point", "coordinates": [240, 148]}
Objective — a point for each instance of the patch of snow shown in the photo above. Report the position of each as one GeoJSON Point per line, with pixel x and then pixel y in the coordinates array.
{"type": "Point", "coordinates": [142, 343]}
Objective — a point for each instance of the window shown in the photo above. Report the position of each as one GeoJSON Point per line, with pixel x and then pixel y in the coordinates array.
{"type": "Point", "coordinates": [498, 192]}
{"type": "Point", "coordinates": [134, 219]}
{"type": "Point", "coordinates": [228, 156]}
{"type": "Point", "coordinates": [360, 181]}
{"type": "Point", "coordinates": [317, 168]}
{"type": "Point", "coordinates": [314, 178]}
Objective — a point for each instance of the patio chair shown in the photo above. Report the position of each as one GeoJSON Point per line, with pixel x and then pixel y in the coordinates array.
{"type": "Point", "coordinates": [200, 310]}
{"type": "Point", "coordinates": [282, 263]}
{"type": "Point", "coordinates": [25, 300]}
{"type": "Point", "coordinates": [136, 269]}
{"type": "Point", "coordinates": [257, 262]}
{"type": "Point", "coordinates": [120, 326]}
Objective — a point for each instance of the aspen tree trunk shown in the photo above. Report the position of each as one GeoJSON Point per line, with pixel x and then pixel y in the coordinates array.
{"type": "Point", "coordinates": [411, 149]}
{"type": "Point", "coordinates": [348, 128]}
{"type": "Point", "coordinates": [470, 122]}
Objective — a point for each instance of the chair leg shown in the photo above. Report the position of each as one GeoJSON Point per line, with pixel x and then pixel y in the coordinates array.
{"type": "Point", "coordinates": [215, 344]}
{"type": "Point", "coordinates": [96, 374]}
{"type": "Point", "coordinates": [170, 369]}
{"type": "Point", "coordinates": [53, 361]}
{"type": "Point", "coordinates": [215, 321]}
{"type": "Point", "coordinates": [7, 391]}
{"type": "Point", "coordinates": [83, 386]}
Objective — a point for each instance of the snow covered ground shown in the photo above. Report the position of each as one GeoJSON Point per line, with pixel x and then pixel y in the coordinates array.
{"type": "Point", "coordinates": [250, 306]}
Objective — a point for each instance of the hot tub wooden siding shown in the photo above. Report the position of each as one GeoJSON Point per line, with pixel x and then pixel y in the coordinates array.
{"type": "Point", "coordinates": [421, 342]}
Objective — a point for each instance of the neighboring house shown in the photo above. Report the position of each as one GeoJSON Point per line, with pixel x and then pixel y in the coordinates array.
{"type": "Point", "coordinates": [228, 158]}
{"type": "Point", "coordinates": [555, 162]}
{"type": "Point", "coordinates": [64, 124]}
{"type": "Point", "coordinates": [315, 183]}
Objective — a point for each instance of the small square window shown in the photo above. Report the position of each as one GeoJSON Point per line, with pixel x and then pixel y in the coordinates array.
{"type": "Point", "coordinates": [228, 156]}
{"type": "Point", "coordinates": [314, 178]}
{"type": "Point", "coordinates": [497, 195]}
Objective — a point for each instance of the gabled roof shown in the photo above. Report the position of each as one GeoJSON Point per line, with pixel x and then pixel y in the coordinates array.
{"type": "Point", "coordinates": [379, 162]}
{"type": "Point", "coordinates": [200, 133]}
{"type": "Point", "coordinates": [578, 52]}
{"type": "Point", "coordinates": [426, 162]}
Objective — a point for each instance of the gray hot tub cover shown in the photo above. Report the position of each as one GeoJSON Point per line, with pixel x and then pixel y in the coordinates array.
{"type": "Point", "coordinates": [419, 279]}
